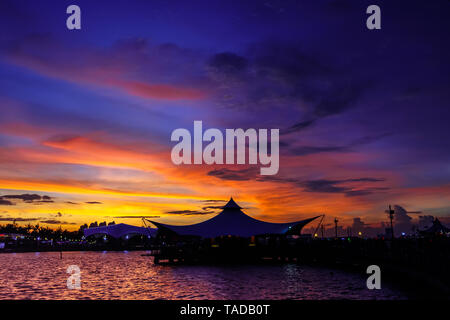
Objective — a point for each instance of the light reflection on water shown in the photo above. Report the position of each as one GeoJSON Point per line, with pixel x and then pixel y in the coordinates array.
{"type": "Point", "coordinates": [128, 275]}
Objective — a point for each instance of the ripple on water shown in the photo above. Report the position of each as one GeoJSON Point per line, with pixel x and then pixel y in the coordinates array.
{"type": "Point", "coordinates": [120, 275]}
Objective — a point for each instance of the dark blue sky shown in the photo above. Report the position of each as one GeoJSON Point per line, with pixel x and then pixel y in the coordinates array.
{"type": "Point", "coordinates": [363, 114]}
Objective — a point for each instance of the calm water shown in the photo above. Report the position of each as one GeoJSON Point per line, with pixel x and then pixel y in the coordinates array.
{"type": "Point", "coordinates": [128, 275]}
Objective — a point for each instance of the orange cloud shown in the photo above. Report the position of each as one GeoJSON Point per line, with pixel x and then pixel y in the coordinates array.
{"type": "Point", "coordinates": [158, 91]}
{"type": "Point", "coordinates": [271, 200]}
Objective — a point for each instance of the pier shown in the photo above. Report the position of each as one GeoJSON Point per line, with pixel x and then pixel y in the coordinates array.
{"type": "Point", "coordinates": [415, 263]}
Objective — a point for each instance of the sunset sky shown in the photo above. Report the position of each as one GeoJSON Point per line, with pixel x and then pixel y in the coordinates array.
{"type": "Point", "coordinates": [86, 115]}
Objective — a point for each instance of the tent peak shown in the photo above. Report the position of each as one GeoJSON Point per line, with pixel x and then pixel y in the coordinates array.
{"type": "Point", "coordinates": [231, 205]}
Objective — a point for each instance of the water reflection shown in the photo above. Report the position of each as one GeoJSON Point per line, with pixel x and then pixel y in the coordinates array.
{"type": "Point", "coordinates": [128, 275]}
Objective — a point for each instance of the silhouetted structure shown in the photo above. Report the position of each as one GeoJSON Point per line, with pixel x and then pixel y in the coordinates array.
{"type": "Point", "coordinates": [232, 222]}
{"type": "Point", "coordinates": [391, 217]}
{"type": "Point", "coordinates": [119, 230]}
{"type": "Point", "coordinates": [336, 227]}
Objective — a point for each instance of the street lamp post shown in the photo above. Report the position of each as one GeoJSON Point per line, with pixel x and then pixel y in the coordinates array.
{"type": "Point", "coordinates": [391, 217]}
{"type": "Point", "coordinates": [335, 226]}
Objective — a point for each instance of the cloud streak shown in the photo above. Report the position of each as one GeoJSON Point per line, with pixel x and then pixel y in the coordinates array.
{"type": "Point", "coordinates": [103, 68]}
{"type": "Point", "coordinates": [189, 212]}
{"type": "Point", "coordinates": [27, 198]}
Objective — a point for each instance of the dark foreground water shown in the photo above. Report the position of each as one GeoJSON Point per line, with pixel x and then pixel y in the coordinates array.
{"type": "Point", "coordinates": [128, 275]}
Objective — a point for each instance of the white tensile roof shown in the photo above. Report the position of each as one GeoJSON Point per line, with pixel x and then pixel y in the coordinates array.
{"type": "Point", "coordinates": [119, 230]}
{"type": "Point", "coordinates": [232, 221]}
